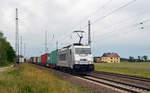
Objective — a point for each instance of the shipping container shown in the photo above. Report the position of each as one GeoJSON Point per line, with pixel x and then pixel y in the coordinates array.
{"type": "Point", "coordinates": [44, 59]}
{"type": "Point", "coordinates": [54, 57]}
{"type": "Point", "coordinates": [31, 59]}
{"type": "Point", "coordinates": [48, 58]}
{"type": "Point", "coordinates": [21, 60]}
{"type": "Point", "coordinates": [34, 59]}
{"type": "Point", "coordinates": [38, 60]}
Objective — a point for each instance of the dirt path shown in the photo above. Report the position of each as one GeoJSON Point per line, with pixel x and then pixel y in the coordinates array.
{"type": "Point", "coordinates": [5, 68]}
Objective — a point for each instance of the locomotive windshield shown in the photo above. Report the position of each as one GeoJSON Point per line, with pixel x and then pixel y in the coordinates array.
{"type": "Point", "coordinates": [83, 50]}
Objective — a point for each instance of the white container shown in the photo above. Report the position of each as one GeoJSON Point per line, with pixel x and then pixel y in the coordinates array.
{"type": "Point", "coordinates": [21, 60]}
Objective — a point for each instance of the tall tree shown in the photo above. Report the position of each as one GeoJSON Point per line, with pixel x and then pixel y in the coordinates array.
{"type": "Point", "coordinates": [145, 58]}
{"type": "Point", "coordinates": [7, 54]}
{"type": "Point", "coordinates": [131, 59]}
{"type": "Point", "coordinates": [139, 58]}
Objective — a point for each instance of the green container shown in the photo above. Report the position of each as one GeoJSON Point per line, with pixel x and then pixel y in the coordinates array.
{"type": "Point", "coordinates": [53, 57]}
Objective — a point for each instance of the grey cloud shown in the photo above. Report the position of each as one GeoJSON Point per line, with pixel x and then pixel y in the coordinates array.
{"type": "Point", "coordinates": [61, 17]}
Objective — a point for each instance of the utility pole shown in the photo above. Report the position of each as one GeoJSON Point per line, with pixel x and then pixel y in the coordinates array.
{"type": "Point", "coordinates": [57, 45]}
{"type": "Point", "coordinates": [89, 33]}
{"type": "Point", "coordinates": [21, 54]}
{"type": "Point", "coordinates": [24, 49]}
{"type": "Point", "coordinates": [45, 41]}
{"type": "Point", "coordinates": [17, 37]}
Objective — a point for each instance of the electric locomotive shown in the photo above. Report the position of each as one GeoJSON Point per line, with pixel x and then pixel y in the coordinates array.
{"type": "Point", "coordinates": [76, 58]}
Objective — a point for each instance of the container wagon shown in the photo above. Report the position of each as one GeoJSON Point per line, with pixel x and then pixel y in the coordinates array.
{"type": "Point", "coordinates": [53, 59]}
{"type": "Point", "coordinates": [31, 60]}
{"type": "Point", "coordinates": [21, 60]}
{"type": "Point", "coordinates": [34, 60]}
{"type": "Point", "coordinates": [48, 60]}
{"type": "Point", "coordinates": [39, 60]}
{"type": "Point", "coordinates": [44, 59]}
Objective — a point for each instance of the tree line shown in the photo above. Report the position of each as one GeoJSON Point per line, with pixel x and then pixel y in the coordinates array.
{"type": "Point", "coordinates": [139, 59]}
{"type": "Point", "coordinates": [7, 53]}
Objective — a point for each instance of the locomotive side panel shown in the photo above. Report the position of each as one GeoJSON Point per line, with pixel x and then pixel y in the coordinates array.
{"type": "Point", "coordinates": [62, 58]}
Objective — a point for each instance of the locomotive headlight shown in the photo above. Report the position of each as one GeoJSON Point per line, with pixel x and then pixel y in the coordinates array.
{"type": "Point", "coordinates": [77, 59]}
{"type": "Point", "coordinates": [76, 62]}
{"type": "Point", "coordinates": [89, 59]}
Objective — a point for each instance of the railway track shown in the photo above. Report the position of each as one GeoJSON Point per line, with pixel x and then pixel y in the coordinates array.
{"type": "Point", "coordinates": [112, 84]}
{"type": "Point", "coordinates": [119, 86]}
{"type": "Point", "coordinates": [123, 76]}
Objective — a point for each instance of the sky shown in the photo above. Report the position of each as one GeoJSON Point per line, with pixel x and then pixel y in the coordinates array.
{"type": "Point", "coordinates": [116, 25]}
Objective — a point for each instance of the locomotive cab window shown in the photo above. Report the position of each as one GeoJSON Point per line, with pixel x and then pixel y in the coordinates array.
{"type": "Point", "coordinates": [83, 50]}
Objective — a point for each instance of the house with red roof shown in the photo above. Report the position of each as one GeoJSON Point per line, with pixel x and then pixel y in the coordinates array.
{"type": "Point", "coordinates": [110, 58]}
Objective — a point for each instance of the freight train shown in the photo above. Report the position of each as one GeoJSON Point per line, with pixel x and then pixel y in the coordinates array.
{"type": "Point", "coordinates": [73, 58]}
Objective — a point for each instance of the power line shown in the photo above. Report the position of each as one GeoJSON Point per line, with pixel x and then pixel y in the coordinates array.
{"type": "Point", "coordinates": [98, 9]}
{"type": "Point", "coordinates": [90, 15]}
{"type": "Point", "coordinates": [101, 18]}
{"type": "Point", "coordinates": [125, 28]}
{"type": "Point", "coordinates": [124, 20]}
{"type": "Point", "coordinates": [106, 15]}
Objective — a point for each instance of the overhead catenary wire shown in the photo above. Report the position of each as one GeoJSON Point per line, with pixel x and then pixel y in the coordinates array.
{"type": "Point", "coordinates": [112, 12]}
{"type": "Point", "coordinates": [105, 15]}
{"type": "Point", "coordinates": [98, 9]}
{"type": "Point", "coordinates": [91, 14]}
{"type": "Point", "coordinates": [123, 28]}
{"type": "Point", "coordinates": [101, 18]}
{"type": "Point", "coordinates": [129, 19]}
{"type": "Point", "coordinates": [109, 35]}
{"type": "Point", "coordinates": [122, 22]}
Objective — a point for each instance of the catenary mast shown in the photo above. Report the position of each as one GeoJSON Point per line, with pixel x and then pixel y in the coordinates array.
{"type": "Point", "coordinates": [89, 33]}
{"type": "Point", "coordinates": [17, 38]}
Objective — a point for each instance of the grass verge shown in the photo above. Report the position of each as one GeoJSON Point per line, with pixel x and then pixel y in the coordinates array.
{"type": "Point", "coordinates": [141, 69]}
{"type": "Point", "coordinates": [28, 79]}
{"type": "Point", "coordinates": [6, 65]}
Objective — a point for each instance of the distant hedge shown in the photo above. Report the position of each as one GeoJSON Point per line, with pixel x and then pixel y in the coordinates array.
{"type": "Point", "coordinates": [7, 53]}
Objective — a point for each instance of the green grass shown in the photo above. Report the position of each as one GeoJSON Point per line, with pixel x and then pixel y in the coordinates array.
{"type": "Point", "coordinates": [6, 65]}
{"type": "Point", "coordinates": [141, 69]}
{"type": "Point", "coordinates": [29, 79]}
